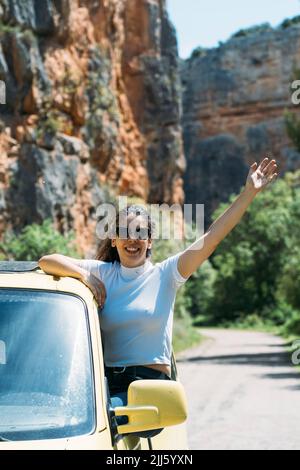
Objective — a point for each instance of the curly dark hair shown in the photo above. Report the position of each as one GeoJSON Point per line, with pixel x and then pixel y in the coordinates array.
{"type": "Point", "coordinates": [106, 252]}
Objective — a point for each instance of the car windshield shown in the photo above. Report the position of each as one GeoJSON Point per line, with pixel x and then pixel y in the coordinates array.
{"type": "Point", "coordinates": [46, 383]}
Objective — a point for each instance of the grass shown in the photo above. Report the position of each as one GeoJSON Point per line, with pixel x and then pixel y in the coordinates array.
{"type": "Point", "coordinates": [185, 335]}
{"type": "Point", "coordinates": [250, 323]}
{"type": "Point", "coordinates": [260, 327]}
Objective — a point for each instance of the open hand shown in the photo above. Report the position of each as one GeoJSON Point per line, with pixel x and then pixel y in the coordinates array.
{"type": "Point", "coordinates": [261, 175]}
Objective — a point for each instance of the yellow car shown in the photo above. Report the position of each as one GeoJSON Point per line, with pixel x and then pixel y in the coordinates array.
{"type": "Point", "coordinates": [53, 391]}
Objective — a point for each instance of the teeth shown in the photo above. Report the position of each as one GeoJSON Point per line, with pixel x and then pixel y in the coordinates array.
{"type": "Point", "coordinates": [132, 250]}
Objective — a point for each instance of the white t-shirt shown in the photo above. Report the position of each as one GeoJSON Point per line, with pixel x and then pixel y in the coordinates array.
{"type": "Point", "coordinates": [137, 317]}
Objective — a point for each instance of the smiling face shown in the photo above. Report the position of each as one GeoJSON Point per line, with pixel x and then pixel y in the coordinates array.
{"type": "Point", "coordinates": [133, 251]}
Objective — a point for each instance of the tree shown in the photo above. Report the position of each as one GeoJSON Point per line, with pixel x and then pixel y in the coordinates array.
{"type": "Point", "coordinates": [251, 259]}
{"type": "Point", "coordinates": [35, 241]}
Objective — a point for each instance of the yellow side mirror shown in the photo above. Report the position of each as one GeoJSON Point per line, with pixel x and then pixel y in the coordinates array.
{"type": "Point", "coordinates": [153, 404]}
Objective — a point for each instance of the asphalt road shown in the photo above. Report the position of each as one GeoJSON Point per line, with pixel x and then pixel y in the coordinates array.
{"type": "Point", "coordinates": [243, 392]}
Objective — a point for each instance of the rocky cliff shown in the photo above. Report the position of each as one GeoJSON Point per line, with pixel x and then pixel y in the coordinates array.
{"type": "Point", "coordinates": [94, 105]}
{"type": "Point", "coordinates": [233, 105]}
{"type": "Point", "coordinates": [92, 101]}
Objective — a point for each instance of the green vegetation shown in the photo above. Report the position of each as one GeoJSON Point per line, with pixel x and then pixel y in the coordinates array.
{"type": "Point", "coordinates": [48, 124]}
{"type": "Point", "coordinates": [253, 30]}
{"type": "Point", "coordinates": [69, 84]}
{"type": "Point", "coordinates": [51, 118]}
{"type": "Point", "coordinates": [290, 22]}
{"type": "Point", "coordinates": [102, 102]}
{"type": "Point", "coordinates": [292, 124]}
{"type": "Point", "coordinates": [198, 52]}
{"type": "Point", "coordinates": [26, 33]}
{"type": "Point", "coordinates": [6, 28]}
{"type": "Point", "coordinates": [185, 335]}
{"type": "Point", "coordinates": [292, 121]}
{"type": "Point", "coordinates": [35, 241]}
{"type": "Point", "coordinates": [254, 276]}
{"type": "Point", "coordinates": [265, 27]}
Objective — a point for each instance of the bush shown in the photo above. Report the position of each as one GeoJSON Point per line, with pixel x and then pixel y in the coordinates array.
{"type": "Point", "coordinates": [289, 279]}
{"type": "Point", "coordinates": [252, 322]}
{"type": "Point", "coordinates": [35, 241]}
{"type": "Point", "coordinates": [198, 52]}
{"type": "Point", "coordinates": [184, 334]}
{"type": "Point", "coordinates": [200, 291]}
{"type": "Point", "coordinates": [292, 124]}
{"type": "Point", "coordinates": [253, 276]}
{"type": "Point", "coordinates": [292, 325]}
{"type": "Point", "coordinates": [253, 30]}
{"type": "Point", "coordinates": [279, 314]}
{"type": "Point", "coordinates": [290, 22]}
{"type": "Point", "coordinates": [289, 282]}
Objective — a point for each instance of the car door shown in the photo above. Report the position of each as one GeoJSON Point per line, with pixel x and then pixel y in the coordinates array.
{"type": "Point", "coordinates": [173, 437]}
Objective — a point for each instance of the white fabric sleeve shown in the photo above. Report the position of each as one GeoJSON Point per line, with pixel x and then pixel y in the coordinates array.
{"type": "Point", "coordinates": [93, 266]}
{"type": "Point", "coordinates": [170, 268]}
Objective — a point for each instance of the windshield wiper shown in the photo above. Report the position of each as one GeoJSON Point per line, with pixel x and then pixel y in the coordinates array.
{"type": "Point", "coordinates": [2, 439]}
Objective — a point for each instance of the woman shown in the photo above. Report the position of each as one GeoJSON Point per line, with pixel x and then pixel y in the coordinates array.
{"type": "Point", "coordinates": [137, 298]}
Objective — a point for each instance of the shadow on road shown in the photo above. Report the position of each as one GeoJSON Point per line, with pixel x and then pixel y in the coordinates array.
{"type": "Point", "coordinates": [265, 359]}
{"type": "Point", "coordinates": [295, 388]}
{"type": "Point", "coordinates": [280, 358]}
{"type": "Point", "coordinates": [288, 376]}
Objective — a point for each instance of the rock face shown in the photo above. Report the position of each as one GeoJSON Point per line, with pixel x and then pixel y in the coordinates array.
{"type": "Point", "coordinates": [92, 102]}
{"type": "Point", "coordinates": [233, 105]}
{"type": "Point", "coordinates": [94, 106]}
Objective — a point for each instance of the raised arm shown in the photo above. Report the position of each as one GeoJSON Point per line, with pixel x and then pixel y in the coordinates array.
{"type": "Point", "coordinates": [258, 178]}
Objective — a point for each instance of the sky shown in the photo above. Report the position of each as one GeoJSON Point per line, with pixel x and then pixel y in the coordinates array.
{"type": "Point", "coordinates": [206, 22]}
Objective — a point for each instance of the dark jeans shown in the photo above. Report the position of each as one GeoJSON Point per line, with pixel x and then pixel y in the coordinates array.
{"type": "Point", "coordinates": [119, 379]}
